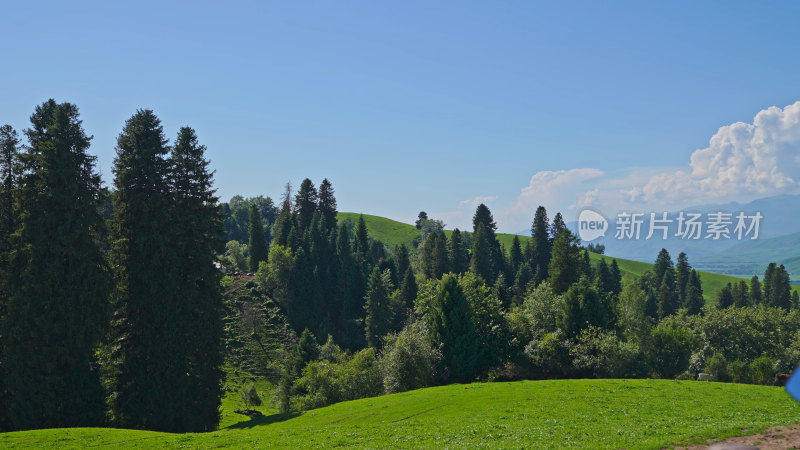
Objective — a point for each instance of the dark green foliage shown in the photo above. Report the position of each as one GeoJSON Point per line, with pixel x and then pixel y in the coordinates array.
{"type": "Point", "coordinates": [682, 272]}
{"type": "Point", "coordinates": [666, 297]}
{"type": "Point", "coordinates": [257, 249]}
{"type": "Point", "coordinates": [197, 227]}
{"type": "Point", "coordinates": [584, 307]}
{"type": "Point", "coordinates": [756, 294]}
{"type": "Point", "coordinates": [435, 260]}
{"type": "Point", "coordinates": [515, 256]}
{"type": "Point", "coordinates": [605, 283]}
{"type": "Point", "coordinates": [9, 174]}
{"type": "Point", "coordinates": [459, 254]}
{"type": "Point", "coordinates": [236, 216]}
{"type": "Point", "coordinates": [586, 265]}
{"type": "Point", "coordinates": [725, 297]}
{"type": "Point", "coordinates": [600, 249]}
{"type": "Point", "coordinates": [361, 241]}
{"type": "Point", "coordinates": [421, 217]}
{"type": "Point", "coordinates": [540, 247]}
{"type": "Point", "coordinates": [521, 281]}
{"type": "Point", "coordinates": [377, 304]}
{"type": "Point", "coordinates": [408, 289]}
{"type": "Point", "coordinates": [741, 295]}
{"type": "Point", "coordinates": [557, 226]}
{"type": "Point", "coordinates": [327, 204]}
{"type": "Point", "coordinates": [795, 300]}
{"type": "Point", "coordinates": [487, 257]}
{"type": "Point", "coordinates": [670, 348]}
{"type": "Point", "coordinates": [305, 204]}
{"type": "Point", "coordinates": [401, 259]}
{"type": "Point", "coordinates": [694, 295]}
{"type": "Point", "coordinates": [305, 290]}
{"type": "Point", "coordinates": [770, 284]}
{"type": "Point", "coordinates": [662, 265]}
{"type": "Point", "coordinates": [565, 262]}
{"type": "Point", "coordinates": [450, 321]}
{"type": "Point", "coordinates": [149, 364]}
{"type": "Point", "coordinates": [616, 278]}
{"type": "Point", "coordinates": [284, 223]}
{"type": "Point", "coordinates": [58, 279]}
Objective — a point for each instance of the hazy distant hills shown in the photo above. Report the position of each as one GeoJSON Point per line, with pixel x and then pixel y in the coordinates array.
{"type": "Point", "coordinates": [778, 240]}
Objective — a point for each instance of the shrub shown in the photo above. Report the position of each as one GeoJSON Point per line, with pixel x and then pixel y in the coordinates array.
{"type": "Point", "coordinates": [249, 396]}
{"type": "Point", "coordinates": [323, 383]}
{"type": "Point", "coordinates": [602, 354]}
{"type": "Point", "coordinates": [549, 355]}
{"type": "Point", "coordinates": [717, 366]}
{"type": "Point", "coordinates": [670, 349]}
{"type": "Point", "coordinates": [409, 361]}
{"type": "Point", "coordinates": [738, 371]}
{"type": "Point", "coordinates": [762, 371]}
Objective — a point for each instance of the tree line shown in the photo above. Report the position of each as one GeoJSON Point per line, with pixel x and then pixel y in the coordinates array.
{"type": "Point", "coordinates": [110, 302]}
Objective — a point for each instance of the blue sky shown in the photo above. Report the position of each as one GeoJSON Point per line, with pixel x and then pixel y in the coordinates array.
{"type": "Point", "coordinates": [436, 106]}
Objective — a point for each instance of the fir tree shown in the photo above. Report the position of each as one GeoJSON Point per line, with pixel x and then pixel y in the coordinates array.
{"type": "Point", "coordinates": [565, 262]}
{"type": "Point", "coordinates": [257, 250]}
{"type": "Point", "coordinates": [453, 330]}
{"type": "Point", "coordinates": [377, 303]}
{"type": "Point", "coordinates": [741, 295]}
{"type": "Point", "coordinates": [521, 281]}
{"type": "Point", "coordinates": [604, 278]}
{"type": "Point", "coordinates": [755, 291]}
{"type": "Point", "coordinates": [662, 265]}
{"type": "Point", "coordinates": [540, 247]}
{"type": "Point", "coordinates": [667, 297]}
{"type": "Point", "coordinates": [694, 295]}
{"type": "Point", "coordinates": [783, 290]}
{"type": "Point", "coordinates": [402, 260]}
{"type": "Point", "coordinates": [327, 204]}
{"type": "Point", "coordinates": [9, 174]}
{"type": "Point", "coordinates": [146, 350]}
{"type": "Point", "coordinates": [361, 241]}
{"type": "Point", "coordinates": [285, 221]}
{"type": "Point", "coordinates": [586, 265]}
{"type": "Point", "coordinates": [199, 226]}
{"type": "Point", "coordinates": [305, 203]}
{"type": "Point", "coordinates": [59, 280]}
{"type": "Point", "coordinates": [770, 284]}
{"type": "Point", "coordinates": [616, 278]}
{"type": "Point", "coordinates": [725, 297]}
{"type": "Point", "coordinates": [515, 255]}
{"type": "Point", "coordinates": [682, 272]}
{"type": "Point", "coordinates": [408, 289]}
{"type": "Point", "coordinates": [487, 258]}
{"type": "Point", "coordinates": [795, 300]}
{"type": "Point", "coordinates": [459, 255]}
{"type": "Point", "coordinates": [435, 259]}
{"type": "Point", "coordinates": [557, 225]}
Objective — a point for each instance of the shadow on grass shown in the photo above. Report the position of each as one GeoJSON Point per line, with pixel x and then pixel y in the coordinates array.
{"type": "Point", "coordinates": [263, 420]}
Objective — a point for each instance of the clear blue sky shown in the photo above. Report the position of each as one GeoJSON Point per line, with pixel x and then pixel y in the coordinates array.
{"type": "Point", "coordinates": [407, 106]}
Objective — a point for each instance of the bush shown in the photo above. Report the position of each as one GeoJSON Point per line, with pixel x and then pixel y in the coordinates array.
{"type": "Point", "coordinates": [670, 349]}
{"type": "Point", "coordinates": [738, 371]}
{"type": "Point", "coordinates": [762, 371]}
{"type": "Point", "coordinates": [549, 355]}
{"type": "Point", "coordinates": [409, 361]}
{"type": "Point", "coordinates": [602, 354]}
{"type": "Point", "coordinates": [249, 396]}
{"type": "Point", "coordinates": [323, 383]}
{"type": "Point", "coordinates": [717, 366]}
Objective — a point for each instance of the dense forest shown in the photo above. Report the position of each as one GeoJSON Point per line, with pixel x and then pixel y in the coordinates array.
{"type": "Point", "coordinates": [131, 306]}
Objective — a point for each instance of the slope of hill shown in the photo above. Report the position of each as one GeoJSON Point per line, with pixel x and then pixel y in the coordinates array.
{"type": "Point", "coordinates": [537, 414]}
{"type": "Point", "coordinates": [392, 233]}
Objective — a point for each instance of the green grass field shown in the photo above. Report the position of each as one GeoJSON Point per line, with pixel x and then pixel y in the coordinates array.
{"type": "Point", "coordinates": [536, 414]}
{"type": "Point", "coordinates": [393, 233]}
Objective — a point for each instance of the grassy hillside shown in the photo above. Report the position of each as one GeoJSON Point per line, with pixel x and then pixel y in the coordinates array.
{"type": "Point", "coordinates": [540, 414]}
{"type": "Point", "coordinates": [392, 233]}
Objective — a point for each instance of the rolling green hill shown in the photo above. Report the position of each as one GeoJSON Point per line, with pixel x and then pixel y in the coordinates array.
{"type": "Point", "coordinates": [536, 414]}
{"type": "Point", "coordinates": [393, 233]}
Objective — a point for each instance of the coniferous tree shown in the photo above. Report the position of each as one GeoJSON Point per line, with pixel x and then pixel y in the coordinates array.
{"type": "Point", "coordinates": [487, 257]}
{"type": "Point", "coordinates": [459, 255]}
{"type": "Point", "coordinates": [285, 221]}
{"type": "Point", "coordinates": [9, 173]}
{"type": "Point", "coordinates": [199, 226]}
{"type": "Point", "coordinates": [435, 259]}
{"type": "Point", "coordinates": [306, 293]}
{"type": "Point", "coordinates": [452, 329]}
{"type": "Point", "coordinates": [682, 272]}
{"type": "Point", "coordinates": [58, 279]}
{"type": "Point", "coordinates": [408, 289]}
{"type": "Point", "coordinates": [521, 281]}
{"type": "Point", "coordinates": [515, 255]}
{"type": "Point", "coordinates": [540, 246]}
{"type": "Point", "coordinates": [783, 290]}
{"type": "Point", "coordinates": [305, 203]}
{"type": "Point", "coordinates": [755, 291]}
{"type": "Point", "coordinates": [662, 265]}
{"type": "Point", "coordinates": [667, 297]}
{"type": "Point", "coordinates": [605, 283]}
{"type": "Point", "coordinates": [557, 225]}
{"type": "Point", "coordinates": [586, 265]}
{"type": "Point", "coordinates": [770, 284]}
{"type": "Point", "coordinates": [402, 260]}
{"type": "Point", "coordinates": [725, 297]}
{"type": "Point", "coordinates": [421, 218]}
{"type": "Point", "coordinates": [741, 295]}
{"type": "Point", "coordinates": [795, 300]}
{"type": "Point", "coordinates": [361, 241]}
{"type": "Point", "coordinates": [257, 249]}
{"type": "Point", "coordinates": [565, 262]}
{"type": "Point", "coordinates": [694, 295]}
{"type": "Point", "coordinates": [327, 204]}
{"type": "Point", "coordinates": [616, 278]}
{"type": "Point", "coordinates": [146, 351]}
{"type": "Point", "coordinates": [377, 303]}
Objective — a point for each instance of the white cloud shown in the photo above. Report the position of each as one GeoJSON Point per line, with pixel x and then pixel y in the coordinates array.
{"type": "Point", "coordinates": [462, 216]}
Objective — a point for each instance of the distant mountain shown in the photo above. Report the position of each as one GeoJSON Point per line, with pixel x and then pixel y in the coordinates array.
{"type": "Point", "coordinates": [778, 240]}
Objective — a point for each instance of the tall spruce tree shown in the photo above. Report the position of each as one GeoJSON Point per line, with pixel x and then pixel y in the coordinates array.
{"type": "Point", "coordinates": [285, 220]}
{"type": "Point", "coordinates": [9, 174]}
{"type": "Point", "coordinates": [459, 255]}
{"type": "Point", "coordinates": [149, 368]}
{"type": "Point", "coordinates": [487, 257]}
{"type": "Point", "coordinates": [58, 279]}
{"type": "Point", "coordinates": [694, 295]}
{"type": "Point", "coordinates": [377, 303]}
{"type": "Point", "coordinates": [667, 297]}
{"type": "Point", "coordinates": [515, 255]}
{"type": "Point", "coordinates": [770, 284]}
{"type": "Point", "coordinates": [557, 225]}
{"type": "Point", "coordinates": [741, 294]}
{"type": "Point", "coordinates": [452, 327]}
{"type": "Point", "coordinates": [755, 291]}
{"type": "Point", "coordinates": [305, 203]}
{"type": "Point", "coordinates": [616, 278]}
{"type": "Point", "coordinates": [662, 265]}
{"type": "Point", "coordinates": [682, 272]}
{"type": "Point", "coordinates": [540, 247]}
{"type": "Point", "coordinates": [725, 297]}
{"type": "Point", "coordinates": [565, 262]}
{"type": "Point", "coordinates": [327, 204]}
{"type": "Point", "coordinates": [257, 249]}
{"type": "Point", "coordinates": [198, 226]}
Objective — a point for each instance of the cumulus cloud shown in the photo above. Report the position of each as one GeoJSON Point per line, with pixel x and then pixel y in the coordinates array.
{"type": "Point", "coordinates": [742, 159]}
